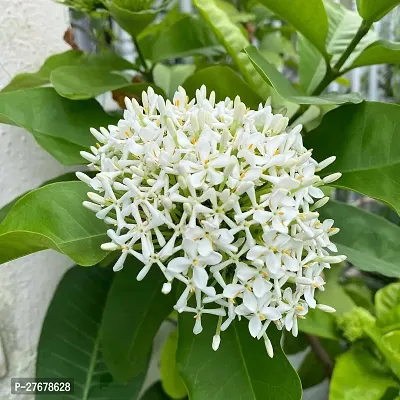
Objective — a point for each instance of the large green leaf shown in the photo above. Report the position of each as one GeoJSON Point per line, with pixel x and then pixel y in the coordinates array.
{"type": "Point", "coordinates": [387, 304]}
{"type": "Point", "coordinates": [70, 176]}
{"type": "Point", "coordinates": [240, 369]}
{"type": "Point", "coordinates": [312, 65]}
{"type": "Point", "coordinates": [379, 52]}
{"type": "Point", "coordinates": [233, 40]}
{"type": "Point", "coordinates": [132, 21]}
{"type": "Point", "coordinates": [108, 60]}
{"type": "Point", "coordinates": [52, 217]}
{"type": "Point", "coordinates": [59, 125]}
{"type": "Point", "coordinates": [365, 138]}
{"type": "Point", "coordinates": [225, 82]}
{"type": "Point", "coordinates": [373, 10]}
{"type": "Point", "coordinates": [172, 382]}
{"type": "Point", "coordinates": [70, 342]}
{"type": "Point", "coordinates": [199, 40]}
{"type": "Point", "coordinates": [307, 16]}
{"type": "Point", "coordinates": [369, 241]}
{"type": "Point", "coordinates": [358, 376]}
{"type": "Point", "coordinates": [391, 341]}
{"type": "Point", "coordinates": [169, 77]}
{"type": "Point", "coordinates": [155, 392]}
{"type": "Point", "coordinates": [28, 80]}
{"type": "Point", "coordinates": [79, 83]}
{"type": "Point", "coordinates": [343, 26]}
{"type": "Point", "coordinates": [284, 88]}
{"type": "Point", "coordinates": [134, 311]}
{"type": "Point", "coordinates": [319, 323]}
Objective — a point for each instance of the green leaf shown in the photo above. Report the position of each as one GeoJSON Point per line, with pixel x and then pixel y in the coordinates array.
{"type": "Point", "coordinates": [387, 304]}
{"type": "Point", "coordinates": [320, 324]}
{"type": "Point", "coordinates": [312, 65]}
{"type": "Point", "coordinates": [131, 21]}
{"type": "Point", "coordinates": [232, 39]}
{"type": "Point", "coordinates": [372, 10]}
{"type": "Point", "coordinates": [391, 341]}
{"type": "Point", "coordinates": [80, 83]}
{"type": "Point", "coordinates": [52, 217]}
{"type": "Point", "coordinates": [360, 293]}
{"type": "Point", "coordinates": [379, 52]}
{"type": "Point", "coordinates": [168, 78]}
{"type": "Point", "coordinates": [172, 382]}
{"type": "Point", "coordinates": [70, 176]}
{"type": "Point", "coordinates": [374, 250]}
{"type": "Point", "coordinates": [307, 16]}
{"type": "Point", "coordinates": [240, 369]}
{"type": "Point", "coordinates": [59, 125]}
{"type": "Point", "coordinates": [108, 60]}
{"type": "Point", "coordinates": [70, 342]}
{"type": "Point", "coordinates": [343, 26]}
{"type": "Point", "coordinates": [155, 392]}
{"type": "Point", "coordinates": [220, 79]}
{"type": "Point", "coordinates": [199, 40]}
{"type": "Point", "coordinates": [34, 79]}
{"type": "Point", "coordinates": [365, 139]}
{"type": "Point", "coordinates": [358, 376]}
{"type": "Point", "coordinates": [285, 89]}
{"type": "Point", "coordinates": [334, 294]}
{"type": "Point", "coordinates": [133, 313]}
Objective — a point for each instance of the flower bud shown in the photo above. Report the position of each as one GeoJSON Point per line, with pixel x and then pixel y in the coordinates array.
{"type": "Point", "coordinates": [332, 178]}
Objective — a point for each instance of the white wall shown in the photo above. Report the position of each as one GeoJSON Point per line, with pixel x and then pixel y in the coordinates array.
{"type": "Point", "coordinates": [30, 31]}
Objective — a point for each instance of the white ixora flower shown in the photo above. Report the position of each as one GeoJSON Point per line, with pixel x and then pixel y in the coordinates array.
{"type": "Point", "coordinates": [220, 197]}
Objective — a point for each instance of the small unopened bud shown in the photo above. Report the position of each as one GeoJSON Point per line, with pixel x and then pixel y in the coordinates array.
{"type": "Point", "coordinates": [187, 207]}
{"type": "Point", "coordinates": [91, 206]}
{"type": "Point", "coordinates": [182, 182]}
{"type": "Point", "coordinates": [333, 259]}
{"type": "Point", "coordinates": [320, 203]}
{"type": "Point", "coordinates": [332, 178]}
{"type": "Point", "coordinates": [97, 135]}
{"type": "Point", "coordinates": [96, 198]}
{"type": "Point", "coordinates": [166, 288]}
{"type": "Point", "coordinates": [325, 163]}
{"type": "Point", "coordinates": [88, 156]}
{"type": "Point", "coordinates": [84, 178]}
{"type": "Point", "coordinates": [109, 246]}
{"type": "Point", "coordinates": [325, 308]}
{"type": "Point", "coordinates": [268, 346]}
{"type": "Point", "coordinates": [216, 342]}
{"type": "Point", "coordinates": [303, 281]}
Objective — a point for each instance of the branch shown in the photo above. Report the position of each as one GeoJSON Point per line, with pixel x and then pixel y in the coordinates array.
{"type": "Point", "coordinates": [321, 354]}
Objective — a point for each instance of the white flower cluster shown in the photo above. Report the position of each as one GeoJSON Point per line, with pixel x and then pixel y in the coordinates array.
{"type": "Point", "coordinates": [221, 198]}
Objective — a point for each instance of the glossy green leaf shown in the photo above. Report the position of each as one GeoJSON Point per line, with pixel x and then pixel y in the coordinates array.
{"type": "Point", "coordinates": [387, 304]}
{"type": "Point", "coordinates": [80, 83]}
{"type": "Point", "coordinates": [52, 217]}
{"type": "Point", "coordinates": [168, 78]}
{"type": "Point", "coordinates": [108, 60]}
{"type": "Point", "coordinates": [240, 369]}
{"type": "Point", "coordinates": [34, 79]}
{"type": "Point", "coordinates": [133, 313]}
{"type": "Point", "coordinates": [374, 250]}
{"type": "Point", "coordinates": [132, 21]}
{"type": "Point", "coordinates": [284, 88]}
{"type": "Point", "coordinates": [379, 52]}
{"type": "Point", "coordinates": [199, 40]}
{"type": "Point", "coordinates": [359, 376]}
{"type": "Point", "coordinates": [392, 343]}
{"type": "Point", "coordinates": [155, 392]}
{"type": "Point", "coordinates": [312, 65]}
{"type": "Point", "coordinates": [59, 125]}
{"type": "Point", "coordinates": [365, 138]}
{"type": "Point", "coordinates": [172, 382]}
{"type": "Point", "coordinates": [70, 176]}
{"type": "Point", "coordinates": [307, 16]}
{"type": "Point", "coordinates": [320, 324]}
{"type": "Point", "coordinates": [233, 40]}
{"type": "Point", "coordinates": [373, 10]}
{"type": "Point", "coordinates": [343, 26]}
{"type": "Point", "coordinates": [70, 341]}
{"type": "Point", "coordinates": [219, 79]}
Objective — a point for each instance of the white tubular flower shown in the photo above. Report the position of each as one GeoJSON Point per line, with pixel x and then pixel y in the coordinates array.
{"type": "Point", "coordinates": [221, 198]}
